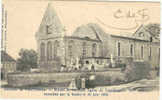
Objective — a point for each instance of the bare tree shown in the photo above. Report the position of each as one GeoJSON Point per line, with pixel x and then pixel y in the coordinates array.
{"type": "Point", "coordinates": [154, 29]}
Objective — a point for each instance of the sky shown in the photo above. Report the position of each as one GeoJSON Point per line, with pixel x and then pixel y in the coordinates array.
{"type": "Point", "coordinates": [24, 18]}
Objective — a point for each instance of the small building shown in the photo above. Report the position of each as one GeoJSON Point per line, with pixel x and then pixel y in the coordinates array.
{"type": "Point", "coordinates": [8, 64]}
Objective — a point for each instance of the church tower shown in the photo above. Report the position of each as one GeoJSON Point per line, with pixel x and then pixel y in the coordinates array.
{"type": "Point", "coordinates": [51, 40]}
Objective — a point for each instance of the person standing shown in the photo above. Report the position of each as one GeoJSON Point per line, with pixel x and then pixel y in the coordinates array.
{"type": "Point", "coordinates": [78, 82]}
{"type": "Point", "coordinates": [92, 68]}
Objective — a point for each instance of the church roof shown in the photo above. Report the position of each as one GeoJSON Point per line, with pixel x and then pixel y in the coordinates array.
{"type": "Point", "coordinates": [71, 17]}
{"type": "Point", "coordinates": [52, 20]}
{"type": "Point", "coordinates": [6, 57]}
{"type": "Point", "coordinates": [94, 31]}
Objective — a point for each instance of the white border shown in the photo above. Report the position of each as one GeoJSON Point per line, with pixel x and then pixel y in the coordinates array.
{"type": "Point", "coordinates": [128, 0]}
{"type": "Point", "coordinates": [101, 1]}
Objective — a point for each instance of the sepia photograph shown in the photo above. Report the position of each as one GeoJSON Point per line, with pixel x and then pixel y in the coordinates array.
{"type": "Point", "coordinates": [80, 48]}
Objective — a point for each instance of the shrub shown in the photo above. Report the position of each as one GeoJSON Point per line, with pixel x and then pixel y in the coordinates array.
{"type": "Point", "coordinates": [112, 78]}
{"type": "Point", "coordinates": [101, 80]}
{"type": "Point", "coordinates": [137, 70]}
{"type": "Point", "coordinates": [120, 65]}
{"type": "Point", "coordinates": [117, 79]}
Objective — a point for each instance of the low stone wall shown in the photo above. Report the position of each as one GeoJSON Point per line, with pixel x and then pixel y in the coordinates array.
{"type": "Point", "coordinates": [18, 80]}
{"type": "Point", "coordinates": [27, 79]}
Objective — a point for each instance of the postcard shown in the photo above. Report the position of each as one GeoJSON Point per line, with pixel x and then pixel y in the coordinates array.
{"type": "Point", "coordinates": [65, 50]}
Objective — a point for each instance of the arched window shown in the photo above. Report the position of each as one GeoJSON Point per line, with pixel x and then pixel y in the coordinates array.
{"type": "Point", "coordinates": [42, 51]}
{"type": "Point", "coordinates": [118, 48]}
{"type": "Point", "coordinates": [94, 49]}
{"type": "Point", "coordinates": [84, 53]}
{"type": "Point", "coordinates": [70, 48]}
{"type": "Point", "coordinates": [131, 49]}
{"type": "Point", "coordinates": [141, 51]}
{"type": "Point", "coordinates": [49, 50]}
{"type": "Point", "coordinates": [56, 46]}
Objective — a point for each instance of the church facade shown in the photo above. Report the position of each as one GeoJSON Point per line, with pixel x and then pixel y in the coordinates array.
{"type": "Point", "coordinates": [90, 44]}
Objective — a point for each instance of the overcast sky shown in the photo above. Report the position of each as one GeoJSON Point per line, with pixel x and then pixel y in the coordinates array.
{"type": "Point", "coordinates": [24, 18]}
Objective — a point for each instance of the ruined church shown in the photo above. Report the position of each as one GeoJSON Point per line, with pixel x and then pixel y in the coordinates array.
{"type": "Point", "coordinates": [89, 43]}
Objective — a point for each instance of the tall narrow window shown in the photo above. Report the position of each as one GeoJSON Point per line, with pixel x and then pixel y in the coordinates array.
{"type": "Point", "coordinates": [141, 51]}
{"type": "Point", "coordinates": [48, 29]}
{"type": "Point", "coordinates": [94, 49]}
{"type": "Point", "coordinates": [84, 49]}
{"type": "Point", "coordinates": [150, 39]}
{"type": "Point", "coordinates": [150, 53]}
{"type": "Point", "coordinates": [49, 51]}
{"type": "Point", "coordinates": [131, 49]}
{"type": "Point", "coordinates": [159, 53]}
{"type": "Point", "coordinates": [70, 48]}
{"type": "Point", "coordinates": [56, 46]}
{"type": "Point", "coordinates": [42, 51]}
{"type": "Point", "coordinates": [118, 48]}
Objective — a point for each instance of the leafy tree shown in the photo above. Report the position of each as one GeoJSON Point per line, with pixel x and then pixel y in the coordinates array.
{"type": "Point", "coordinates": [27, 60]}
{"type": "Point", "coordinates": [154, 29]}
{"type": "Point", "coordinates": [137, 70]}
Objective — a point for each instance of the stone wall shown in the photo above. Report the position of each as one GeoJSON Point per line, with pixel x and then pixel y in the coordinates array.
{"type": "Point", "coordinates": [27, 79]}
